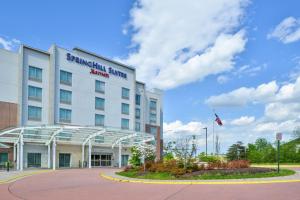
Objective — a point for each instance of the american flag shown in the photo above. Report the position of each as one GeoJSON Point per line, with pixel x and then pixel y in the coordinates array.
{"type": "Point", "coordinates": [218, 120]}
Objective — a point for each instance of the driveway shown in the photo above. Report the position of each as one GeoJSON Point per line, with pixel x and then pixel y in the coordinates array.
{"type": "Point", "coordinates": [76, 184]}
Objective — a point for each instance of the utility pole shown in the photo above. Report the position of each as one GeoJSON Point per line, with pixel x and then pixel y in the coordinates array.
{"type": "Point", "coordinates": [205, 140]}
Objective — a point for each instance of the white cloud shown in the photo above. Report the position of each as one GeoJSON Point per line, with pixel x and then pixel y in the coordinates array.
{"type": "Point", "coordinates": [282, 111]}
{"type": "Point", "coordinates": [179, 42]}
{"type": "Point", "coordinates": [287, 31]}
{"type": "Point", "coordinates": [178, 127]}
{"type": "Point", "coordinates": [222, 79]}
{"type": "Point", "coordinates": [285, 126]}
{"type": "Point", "coordinates": [242, 121]}
{"type": "Point", "coordinates": [9, 44]}
{"type": "Point", "coordinates": [244, 95]}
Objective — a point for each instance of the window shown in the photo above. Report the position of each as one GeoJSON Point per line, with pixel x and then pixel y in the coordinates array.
{"type": "Point", "coordinates": [65, 77]}
{"type": "Point", "coordinates": [34, 113]}
{"type": "Point", "coordinates": [124, 123]}
{"type": "Point", "coordinates": [125, 93]}
{"type": "Point", "coordinates": [137, 99]}
{"type": "Point", "coordinates": [137, 126]}
{"type": "Point", "coordinates": [35, 74]}
{"type": "Point", "coordinates": [125, 108]}
{"type": "Point", "coordinates": [34, 93]}
{"type": "Point", "coordinates": [99, 103]}
{"type": "Point", "coordinates": [137, 113]}
{"type": "Point", "coordinates": [33, 159]}
{"type": "Point", "coordinates": [99, 139]}
{"type": "Point", "coordinates": [152, 118]}
{"type": "Point", "coordinates": [65, 115]}
{"type": "Point", "coordinates": [152, 104]}
{"type": "Point", "coordinates": [100, 86]}
{"type": "Point", "coordinates": [3, 158]}
{"type": "Point", "coordinates": [153, 130]}
{"type": "Point", "coordinates": [65, 96]}
{"type": "Point", "coordinates": [99, 120]}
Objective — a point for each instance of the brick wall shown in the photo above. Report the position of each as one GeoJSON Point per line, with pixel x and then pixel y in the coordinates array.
{"type": "Point", "coordinates": [8, 115]}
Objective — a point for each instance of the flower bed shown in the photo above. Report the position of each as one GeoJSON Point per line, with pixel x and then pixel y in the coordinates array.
{"type": "Point", "coordinates": [217, 170]}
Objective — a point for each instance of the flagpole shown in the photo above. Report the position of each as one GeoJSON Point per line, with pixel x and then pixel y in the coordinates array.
{"type": "Point", "coordinates": [213, 150]}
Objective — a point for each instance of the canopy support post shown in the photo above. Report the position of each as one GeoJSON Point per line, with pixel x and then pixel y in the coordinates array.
{"type": "Point", "coordinates": [120, 155]}
{"type": "Point", "coordinates": [90, 153]}
{"type": "Point", "coordinates": [49, 156]}
{"type": "Point", "coordinates": [21, 151]}
{"type": "Point", "coordinates": [54, 153]}
{"type": "Point", "coordinates": [82, 157]}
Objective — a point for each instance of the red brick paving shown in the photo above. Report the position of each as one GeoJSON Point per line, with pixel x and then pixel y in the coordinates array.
{"type": "Point", "coordinates": [79, 184]}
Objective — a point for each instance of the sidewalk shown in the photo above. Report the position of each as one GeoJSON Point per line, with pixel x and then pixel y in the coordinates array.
{"type": "Point", "coordinates": [7, 177]}
{"type": "Point", "coordinates": [110, 175]}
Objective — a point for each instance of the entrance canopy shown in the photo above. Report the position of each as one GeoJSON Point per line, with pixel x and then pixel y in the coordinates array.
{"type": "Point", "coordinates": [75, 135]}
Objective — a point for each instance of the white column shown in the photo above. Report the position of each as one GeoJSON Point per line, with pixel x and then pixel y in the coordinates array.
{"type": "Point", "coordinates": [120, 155]}
{"type": "Point", "coordinates": [82, 157]}
{"type": "Point", "coordinates": [54, 154]}
{"type": "Point", "coordinates": [90, 154]}
{"type": "Point", "coordinates": [21, 152]}
{"type": "Point", "coordinates": [15, 152]}
{"type": "Point", "coordinates": [18, 156]}
{"type": "Point", "coordinates": [49, 156]}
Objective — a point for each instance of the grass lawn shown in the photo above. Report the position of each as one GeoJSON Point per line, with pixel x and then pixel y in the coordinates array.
{"type": "Point", "coordinates": [283, 165]}
{"type": "Point", "coordinates": [209, 176]}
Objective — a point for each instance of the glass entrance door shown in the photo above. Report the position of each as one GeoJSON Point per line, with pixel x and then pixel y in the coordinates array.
{"type": "Point", "coordinates": [3, 159]}
{"type": "Point", "coordinates": [34, 160]}
{"type": "Point", "coordinates": [101, 160]}
{"type": "Point", "coordinates": [64, 160]}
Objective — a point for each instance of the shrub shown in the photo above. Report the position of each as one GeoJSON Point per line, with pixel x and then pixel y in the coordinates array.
{"type": "Point", "coordinates": [178, 172]}
{"type": "Point", "coordinates": [238, 164]}
{"type": "Point", "coordinates": [209, 158]}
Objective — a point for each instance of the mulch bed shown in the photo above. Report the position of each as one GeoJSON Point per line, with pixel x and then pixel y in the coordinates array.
{"type": "Point", "coordinates": [250, 170]}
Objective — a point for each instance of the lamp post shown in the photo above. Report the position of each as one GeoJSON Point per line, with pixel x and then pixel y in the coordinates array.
{"type": "Point", "coordinates": [278, 138]}
{"type": "Point", "coordinates": [205, 140]}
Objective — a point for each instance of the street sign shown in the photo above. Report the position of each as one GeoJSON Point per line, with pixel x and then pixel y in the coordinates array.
{"type": "Point", "coordinates": [278, 136]}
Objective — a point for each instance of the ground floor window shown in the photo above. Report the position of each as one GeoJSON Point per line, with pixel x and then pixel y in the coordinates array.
{"type": "Point", "coordinates": [64, 160]}
{"type": "Point", "coordinates": [101, 160]}
{"type": "Point", "coordinates": [34, 160]}
{"type": "Point", "coordinates": [125, 160]}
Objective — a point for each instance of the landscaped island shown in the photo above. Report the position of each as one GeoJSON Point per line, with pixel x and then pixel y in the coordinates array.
{"type": "Point", "coordinates": [172, 170]}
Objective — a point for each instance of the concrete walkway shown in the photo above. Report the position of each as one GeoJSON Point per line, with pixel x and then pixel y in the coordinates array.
{"type": "Point", "coordinates": [13, 175]}
{"type": "Point", "coordinates": [111, 175]}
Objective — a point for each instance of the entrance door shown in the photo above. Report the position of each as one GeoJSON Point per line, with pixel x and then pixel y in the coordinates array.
{"type": "Point", "coordinates": [64, 160]}
{"type": "Point", "coordinates": [105, 160]}
{"type": "Point", "coordinates": [100, 160]}
{"type": "Point", "coordinates": [125, 160]}
{"type": "Point", "coordinates": [95, 160]}
{"type": "Point", "coordinates": [34, 160]}
{"type": "Point", "coordinates": [3, 159]}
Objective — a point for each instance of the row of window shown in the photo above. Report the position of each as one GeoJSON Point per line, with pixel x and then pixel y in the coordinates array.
{"type": "Point", "coordinates": [35, 74]}
{"type": "Point", "coordinates": [65, 115]}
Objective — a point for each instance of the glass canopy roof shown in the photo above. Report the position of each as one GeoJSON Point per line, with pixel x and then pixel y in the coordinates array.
{"type": "Point", "coordinates": [76, 135]}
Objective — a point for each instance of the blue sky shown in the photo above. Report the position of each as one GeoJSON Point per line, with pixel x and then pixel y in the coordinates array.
{"type": "Point", "coordinates": [238, 57]}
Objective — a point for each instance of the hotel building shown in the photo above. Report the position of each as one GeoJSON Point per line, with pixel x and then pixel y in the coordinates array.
{"type": "Point", "coordinates": [73, 108]}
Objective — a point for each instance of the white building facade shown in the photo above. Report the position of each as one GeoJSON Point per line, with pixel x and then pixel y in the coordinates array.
{"type": "Point", "coordinates": [75, 88]}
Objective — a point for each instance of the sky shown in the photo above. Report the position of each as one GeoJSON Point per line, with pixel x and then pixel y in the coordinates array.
{"type": "Point", "coordinates": [237, 58]}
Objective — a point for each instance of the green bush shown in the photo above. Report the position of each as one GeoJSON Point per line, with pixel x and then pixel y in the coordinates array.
{"type": "Point", "coordinates": [208, 158]}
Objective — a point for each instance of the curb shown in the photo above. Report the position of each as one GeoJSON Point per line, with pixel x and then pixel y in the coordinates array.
{"type": "Point", "coordinates": [196, 182]}
{"type": "Point", "coordinates": [20, 176]}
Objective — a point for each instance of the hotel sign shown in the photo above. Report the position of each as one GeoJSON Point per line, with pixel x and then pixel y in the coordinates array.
{"type": "Point", "coordinates": [96, 68]}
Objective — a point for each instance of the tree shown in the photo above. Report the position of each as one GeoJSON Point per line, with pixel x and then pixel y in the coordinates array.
{"type": "Point", "coordinates": [261, 152]}
{"type": "Point", "coordinates": [236, 152]}
{"type": "Point", "coordinates": [296, 132]}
